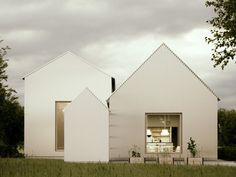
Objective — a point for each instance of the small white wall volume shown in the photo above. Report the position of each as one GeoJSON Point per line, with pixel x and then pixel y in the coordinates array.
{"type": "Point", "coordinates": [86, 130]}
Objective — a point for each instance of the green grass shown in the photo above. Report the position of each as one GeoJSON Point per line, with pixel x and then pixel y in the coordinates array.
{"type": "Point", "coordinates": [58, 168]}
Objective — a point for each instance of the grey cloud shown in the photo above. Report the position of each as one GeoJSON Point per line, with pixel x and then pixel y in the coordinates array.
{"type": "Point", "coordinates": [39, 30]}
{"type": "Point", "coordinates": [113, 21]}
{"type": "Point", "coordinates": [226, 86]}
{"type": "Point", "coordinates": [223, 84]}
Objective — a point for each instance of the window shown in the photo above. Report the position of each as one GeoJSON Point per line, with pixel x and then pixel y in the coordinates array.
{"type": "Point", "coordinates": [163, 133]}
{"type": "Point", "coordinates": [60, 105]}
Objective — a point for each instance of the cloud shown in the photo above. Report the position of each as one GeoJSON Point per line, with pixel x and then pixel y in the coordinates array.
{"type": "Point", "coordinates": [116, 35]}
{"type": "Point", "coordinates": [66, 23]}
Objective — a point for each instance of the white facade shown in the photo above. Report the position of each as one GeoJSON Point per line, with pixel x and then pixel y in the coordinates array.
{"type": "Point", "coordinates": [163, 84]}
{"type": "Point", "coordinates": [62, 79]}
{"type": "Point", "coordinates": [86, 129]}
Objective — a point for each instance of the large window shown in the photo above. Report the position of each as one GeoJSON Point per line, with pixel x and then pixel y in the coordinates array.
{"type": "Point", "coordinates": [163, 133]}
{"type": "Point", "coordinates": [60, 105]}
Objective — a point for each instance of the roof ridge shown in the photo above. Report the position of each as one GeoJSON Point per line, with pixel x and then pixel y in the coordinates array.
{"type": "Point", "coordinates": [163, 44]}
{"type": "Point", "coordinates": [192, 72]}
{"type": "Point", "coordinates": [135, 71]}
{"type": "Point", "coordinates": [96, 97]}
{"type": "Point", "coordinates": [87, 89]}
{"type": "Point", "coordinates": [61, 55]}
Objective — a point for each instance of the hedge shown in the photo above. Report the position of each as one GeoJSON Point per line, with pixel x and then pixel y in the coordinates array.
{"type": "Point", "coordinates": [227, 153]}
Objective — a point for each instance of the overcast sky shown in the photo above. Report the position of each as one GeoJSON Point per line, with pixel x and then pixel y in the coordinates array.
{"type": "Point", "coordinates": [116, 35]}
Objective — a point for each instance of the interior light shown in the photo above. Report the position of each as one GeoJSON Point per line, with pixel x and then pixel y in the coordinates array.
{"type": "Point", "coordinates": [149, 133]}
{"type": "Point", "coordinates": [164, 132]}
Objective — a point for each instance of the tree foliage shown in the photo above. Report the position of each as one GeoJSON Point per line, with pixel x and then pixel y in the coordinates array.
{"type": "Point", "coordinates": [226, 127]}
{"type": "Point", "coordinates": [227, 134]}
{"type": "Point", "coordinates": [11, 113]}
{"type": "Point", "coordinates": [223, 32]}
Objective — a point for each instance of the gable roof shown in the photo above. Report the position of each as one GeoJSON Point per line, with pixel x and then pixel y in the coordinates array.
{"type": "Point", "coordinates": [60, 56]}
{"type": "Point", "coordinates": [164, 45]}
{"type": "Point", "coordinates": [86, 90]}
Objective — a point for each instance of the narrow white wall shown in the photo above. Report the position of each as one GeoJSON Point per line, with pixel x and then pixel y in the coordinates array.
{"type": "Point", "coordinates": [163, 85]}
{"type": "Point", "coordinates": [86, 130]}
{"type": "Point", "coordinates": [61, 80]}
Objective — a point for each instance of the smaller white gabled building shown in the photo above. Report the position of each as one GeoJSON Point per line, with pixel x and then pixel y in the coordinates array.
{"type": "Point", "coordinates": [86, 129]}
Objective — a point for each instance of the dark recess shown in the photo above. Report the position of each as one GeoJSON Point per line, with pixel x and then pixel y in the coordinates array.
{"type": "Point", "coordinates": [113, 84]}
{"type": "Point", "coordinates": [174, 136]}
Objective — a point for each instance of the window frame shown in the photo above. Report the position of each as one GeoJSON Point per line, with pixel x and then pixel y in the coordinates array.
{"type": "Point", "coordinates": [56, 148]}
{"type": "Point", "coordinates": [180, 114]}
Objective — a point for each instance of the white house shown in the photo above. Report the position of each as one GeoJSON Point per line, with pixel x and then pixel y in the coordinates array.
{"type": "Point", "coordinates": [48, 90]}
{"type": "Point", "coordinates": [158, 108]}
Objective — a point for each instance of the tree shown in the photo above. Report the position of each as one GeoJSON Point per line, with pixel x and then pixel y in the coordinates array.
{"type": "Point", "coordinates": [11, 113]}
{"type": "Point", "coordinates": [226, 127]}
{"type": "Point", "coordinates": [227, 134]}
{"type": "Point", "coordinates": [223, 32]}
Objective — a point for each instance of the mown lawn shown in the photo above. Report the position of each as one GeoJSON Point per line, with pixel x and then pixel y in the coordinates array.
{"type": "Point", "coordinates": [58, 168]}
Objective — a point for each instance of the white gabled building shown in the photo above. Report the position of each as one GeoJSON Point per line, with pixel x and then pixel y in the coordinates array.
{"type": "Point", "coordinates": [47, 92]}
{"type": "Point", "coordinates": [159, 107]}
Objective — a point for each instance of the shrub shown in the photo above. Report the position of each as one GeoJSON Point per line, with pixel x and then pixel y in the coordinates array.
{"type": "Point", "coordinates": [192, 147]}
{"type": "Point", "coordinates": [227, 153]}
{"type": "Point", "coordinates": [134, 151]}
{"type": "Point", "coordinates": [9, 151]}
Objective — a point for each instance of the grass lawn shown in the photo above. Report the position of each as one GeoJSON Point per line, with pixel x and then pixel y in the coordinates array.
{"type": "Point", "coordinates": [58, 168]}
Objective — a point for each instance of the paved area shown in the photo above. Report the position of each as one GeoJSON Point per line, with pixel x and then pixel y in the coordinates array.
{"type": "Point", "coordinates": [221, 162]}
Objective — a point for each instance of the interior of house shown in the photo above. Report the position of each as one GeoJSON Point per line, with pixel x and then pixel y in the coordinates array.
{"type": "Point", "coordinates": [163, 133]}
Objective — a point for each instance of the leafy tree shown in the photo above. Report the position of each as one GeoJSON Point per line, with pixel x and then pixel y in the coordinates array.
{"type": "Point", "coordinates": [224, 31]}
{"type": "Point", "coordinates": [226, 127]}
{"type": "Point", "coordinates": [11, 113]}
{"type": "Point", "coordinates": [227, 134]}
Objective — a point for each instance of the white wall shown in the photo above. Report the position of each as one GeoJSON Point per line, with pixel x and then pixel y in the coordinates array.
{"type": "Point", "coordinates": [163, 84]}
{"type": "Point", "coordinates": [86, 130]}
{"type": "Point", "coordinates": [61, 80]}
